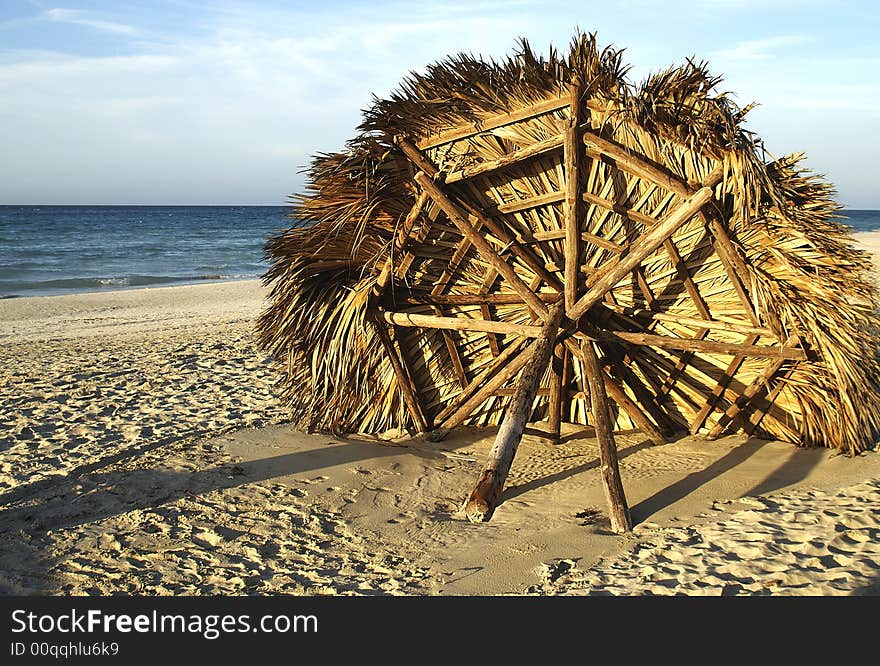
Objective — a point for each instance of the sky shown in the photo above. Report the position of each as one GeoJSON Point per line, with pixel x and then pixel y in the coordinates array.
{"type": "Point", "coordinates": [224, 102]}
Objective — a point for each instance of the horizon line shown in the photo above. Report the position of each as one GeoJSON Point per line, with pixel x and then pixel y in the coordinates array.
{"type": "Point", "coordinates": [144, 205]}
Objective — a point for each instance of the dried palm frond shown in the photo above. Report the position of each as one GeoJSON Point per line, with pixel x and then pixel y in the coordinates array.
{"type": "Point", "coordinates": [798, 282]}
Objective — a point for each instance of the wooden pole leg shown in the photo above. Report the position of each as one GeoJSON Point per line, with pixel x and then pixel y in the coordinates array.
{"type": "Point", "coordinates": [558, 390]}
{"type": "Point", "coordinates": [617, 507]}
{"type": "Point", "coordinates": [485, 495]}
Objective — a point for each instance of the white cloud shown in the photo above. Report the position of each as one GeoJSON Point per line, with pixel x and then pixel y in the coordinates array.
{"type": "Point", "coordinates": [759, 49]}
{"type": "Point", "coordinates": [232, 103]}
{"type": "Point", "coordinates": [78, 17]}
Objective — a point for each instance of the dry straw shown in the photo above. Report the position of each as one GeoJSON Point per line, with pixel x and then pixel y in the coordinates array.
{"type": "Point", "coordinates": [716, 284]}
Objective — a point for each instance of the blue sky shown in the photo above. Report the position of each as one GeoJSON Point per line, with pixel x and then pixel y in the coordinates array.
{"type": "Point", "coordinates": [186, 102]}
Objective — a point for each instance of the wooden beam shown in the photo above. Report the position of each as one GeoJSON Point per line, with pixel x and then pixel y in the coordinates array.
{"type": "Point", "coordinates": [726, 251]}
{"type": "Point", "coordinates": [484, 375]}
{"type": "Point", "coordinates": [408, 319]}
{"type": "Point", "coordinates": [399, 242]}
{"type": "Point", "coordinates": [486, 284]}
{"type": "Point", "coordinates": [692, 322]}
{"type": "Point", "coordinates": [618, 510]}
{"type": "Point", "coordinates": [522, 252]}
{"type": "Point", "coordinates": [745, 397]}
{"type": "Point", "coordinates": [484, 497]}
{"type": "Point", "coordinates": [475, 299]}
{"type": "Point", "coordinates": [494, 121]}
{"type": "Point", "coordinates": [761, 411]}
{"type": "Point", "coordinates": [720, 388]}
{"type": "Point", "coordinates": [623, 211]}
{"type": "Point", "coordinates": [488, 388]}
{"type": "Point", "coordinates": [559, 234]}
{"type": "Point", "coordinates": [517, 156]}
{"type": "Point", "coordinates": [701, 346]}
{"type": "Point", "coordinates": [646, 399]}
{"type": "Point", "coordinates": [639, 250]}
{"type": "Point", "coordinates": [510, 391]}
{"type": "Point", "coordinates": [424, 229]}
{"type": "Point", "coordinates": [404, 379]}
{"type": "Point", "coordinates": [645, 288]}
{"type": "Point", "coordinates": [622, 399]}
{"type": "Point", "coordinates": [685, 276]}
{"type": "Point", "coordinates": [415, 156]}
{"type": "Point", "coordinates": [599, 147]}
{"type": "Point", "coordinates": [481, 244]}
{"type": "Point", "coordinates": [733, 266]}
{"type": "Point", "coordinates": [664, 342]}
{"type": "Point", "coordinates": [657, 174]}
{"type": "Point", "coordinates": [525, 204]}
{"type": "Point", "coordinates": [500, 232]}
{"type": "Point", "coordinates": [571, 164]}
{"type": "Point", "coordinates": [452, 350]}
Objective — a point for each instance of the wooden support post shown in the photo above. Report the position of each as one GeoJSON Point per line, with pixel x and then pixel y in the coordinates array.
{"type": "Point", "coordinates": [639, 250]}
{"type": "Point", "coordinates": [485, 495]}
{"type": "Point", "coordinates": [571, 158]}
{"type": "Point", "coordinates": [558, 389]}
{"type": "Point", "coordinates": [623, 400]}
{"type": "Point", "coordinates": [404, 381]}
{"type": "Point", "coordinates": [618, 510]}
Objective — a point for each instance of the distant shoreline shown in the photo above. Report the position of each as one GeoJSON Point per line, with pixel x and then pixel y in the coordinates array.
{"type": "Point", "coordinates": [157, 206]}
{"type": "Point", "coordinates": [110, 289]}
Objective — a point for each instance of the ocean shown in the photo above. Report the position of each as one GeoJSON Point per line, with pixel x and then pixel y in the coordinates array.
{"type": "Point", "coordinates": [49, 250]}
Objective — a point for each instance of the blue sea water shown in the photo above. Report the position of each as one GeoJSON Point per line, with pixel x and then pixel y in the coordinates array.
{"type": "Point", "coordinates": [862, 220]}
{"type": "Point", "coordinates": [46, 250]}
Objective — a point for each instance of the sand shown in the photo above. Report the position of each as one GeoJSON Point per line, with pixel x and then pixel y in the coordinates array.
{"type": "Point", "coordinates": [143, 451]}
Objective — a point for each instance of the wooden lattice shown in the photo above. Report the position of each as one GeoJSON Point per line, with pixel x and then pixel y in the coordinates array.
{"type": "Point", "coordinates": [492, 216]}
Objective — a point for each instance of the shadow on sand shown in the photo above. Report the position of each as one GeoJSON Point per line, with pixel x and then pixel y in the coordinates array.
{"type": "Point", "coordinates": [89, 495]}
{"type": "Point", "coordinates": [788, 472]}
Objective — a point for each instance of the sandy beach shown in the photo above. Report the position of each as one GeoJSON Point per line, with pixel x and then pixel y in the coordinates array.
{"type": "Point", "coordinates": [143, 451]}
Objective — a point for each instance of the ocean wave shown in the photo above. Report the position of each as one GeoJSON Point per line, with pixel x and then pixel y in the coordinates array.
{"type": "Point", "coordinates": [9, 288]}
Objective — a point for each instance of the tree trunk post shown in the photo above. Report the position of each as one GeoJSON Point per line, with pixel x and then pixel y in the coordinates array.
{"type": "Point", "coordinates": [618, 510]}
{"type": "Point", "coordinates": [481, 504]}
{"type": "Point", "coordinates": [558, 391]}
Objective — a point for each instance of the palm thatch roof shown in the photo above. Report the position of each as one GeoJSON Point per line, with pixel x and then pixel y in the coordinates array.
{"type": "Point", "coordinates": [716, 284]}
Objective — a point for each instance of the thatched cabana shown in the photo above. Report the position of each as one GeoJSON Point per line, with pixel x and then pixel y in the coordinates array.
{"type": "Point", "coordinates": [490, 216]}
